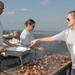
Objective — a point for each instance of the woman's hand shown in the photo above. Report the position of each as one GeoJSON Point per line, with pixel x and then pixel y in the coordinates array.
{"type": "Point", "coordinates": [33, 42]}
{"type": "Point", "coordinates": [2, 49]}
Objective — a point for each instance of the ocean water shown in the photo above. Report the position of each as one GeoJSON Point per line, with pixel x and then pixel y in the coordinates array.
{"type": "Point", "coordinates": [37, 31]}
{"type": "Point", "coordinates": [46, 32]}
{"type": "Point", "coordinates": [38, 34]}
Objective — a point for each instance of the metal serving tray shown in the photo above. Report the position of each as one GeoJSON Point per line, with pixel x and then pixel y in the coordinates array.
{"type": "Point", "coordinates": [20, 51]}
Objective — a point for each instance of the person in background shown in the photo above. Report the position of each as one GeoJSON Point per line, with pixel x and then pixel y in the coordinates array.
{"type": "Point", "coordinates": [67, 35]}
{"type": "Point", "coordinates": [27, 36]}
{"type": "Point", "coordinates": [2, 48]}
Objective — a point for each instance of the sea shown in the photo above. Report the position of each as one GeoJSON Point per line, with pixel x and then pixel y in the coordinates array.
{"type": "Point", "coordinates": [52, 32]}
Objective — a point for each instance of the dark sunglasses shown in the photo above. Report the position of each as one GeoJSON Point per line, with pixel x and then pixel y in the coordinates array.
{"type": "Point", "coordinates": [33, 26]}
{"type": "Point", "coordinates": [68, 19]}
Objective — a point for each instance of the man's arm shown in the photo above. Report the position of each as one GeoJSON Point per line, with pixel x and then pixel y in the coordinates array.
{"type": "Point", "coordinates": [2, 49]}
{"type": "Point", "coordinates": [8, 43]}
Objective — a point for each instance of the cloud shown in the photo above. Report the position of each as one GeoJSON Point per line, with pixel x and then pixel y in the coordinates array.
{"type": "Point", "coordinates": [24, 9]}
{"type": "Point", "coordinates": [44, 2]}
{"type": "Point", "coordinates": [10, 13]}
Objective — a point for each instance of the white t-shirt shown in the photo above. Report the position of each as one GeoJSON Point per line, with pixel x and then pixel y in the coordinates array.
{"type": "Point", "coordinates": [26, 37]}
{"type": "Point", "coordinates": [68, 36]}
{"type": "Point", "coordinates": [1, 34]}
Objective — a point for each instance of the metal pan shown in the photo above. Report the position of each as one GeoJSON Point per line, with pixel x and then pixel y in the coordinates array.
{"type": "Point", "coordinates": [57, 71]}
{"type": "Point", "coordinates": [12, 51]}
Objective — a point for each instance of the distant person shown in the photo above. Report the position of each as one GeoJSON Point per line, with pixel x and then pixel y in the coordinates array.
{"type": "Point", "coordinates": [67, 35]}
{"type": "Point", "coordinates": [2, 49]}
{"type": "Point", "coordinates": [27, 36]}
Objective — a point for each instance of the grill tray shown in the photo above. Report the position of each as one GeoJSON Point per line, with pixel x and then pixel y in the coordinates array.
{"type": "Point", "coordinates": [59, 69]}
{"type": "Point", "coordinates": [13, 51]}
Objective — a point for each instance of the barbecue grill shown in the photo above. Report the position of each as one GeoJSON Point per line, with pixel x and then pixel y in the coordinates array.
{"type": "Point", "coordinates": [60, 68]}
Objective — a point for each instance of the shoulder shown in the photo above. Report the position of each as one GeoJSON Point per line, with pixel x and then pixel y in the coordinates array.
{"type": "Point", "coordinates": [67, 31]}
{"type": "Point", "coordinates": [24, 33]}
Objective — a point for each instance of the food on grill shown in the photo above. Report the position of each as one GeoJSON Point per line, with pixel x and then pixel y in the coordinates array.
{"type": "Point", "coordinates": [44, 65]}
{"type": "Point", "coordinates": [21, 69]}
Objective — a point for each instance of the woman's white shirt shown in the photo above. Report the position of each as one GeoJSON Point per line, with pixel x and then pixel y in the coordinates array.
{"type": "Point", "coordinates": [26, 37]}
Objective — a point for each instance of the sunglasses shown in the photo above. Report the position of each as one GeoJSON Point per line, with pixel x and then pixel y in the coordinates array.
{"type": "Point", "coordinates": [68, 19]}
{"type": "Point", "coordinates": [33, 26]}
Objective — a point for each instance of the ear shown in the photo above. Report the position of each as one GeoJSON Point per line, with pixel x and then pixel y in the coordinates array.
{"type": "Point", "coordinates": [28, 25]}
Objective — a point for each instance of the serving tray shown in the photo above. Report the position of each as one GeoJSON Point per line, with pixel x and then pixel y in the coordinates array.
{"type": "Point", "coordinates": [17, 51]}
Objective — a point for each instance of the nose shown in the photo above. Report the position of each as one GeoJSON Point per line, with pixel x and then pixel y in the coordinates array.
{"type": "Point", "coordinates": [67, 21]}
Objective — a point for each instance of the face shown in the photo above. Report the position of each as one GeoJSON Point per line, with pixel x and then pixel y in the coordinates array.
{"type": "Point", "coordinates": [70, 20]}
{"type": "Point", "coordinates": [1, 8]}
{"type": "Point", "coordinates": [31, 26]}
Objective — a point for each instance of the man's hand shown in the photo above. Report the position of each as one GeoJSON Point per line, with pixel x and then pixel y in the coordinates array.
{"type": "Point", "coordinates": [13, 45]}
{"type": "Point", "coordinates": [2, 49]}
{"type": "Point", "coordinates": [8, 43]}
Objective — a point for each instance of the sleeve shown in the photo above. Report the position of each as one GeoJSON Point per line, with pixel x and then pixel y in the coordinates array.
{"type": "Point", "coordinates": [61, 36]}
{"type": "Point", "coordinates": [26, 40]}
{"type": "Point", "coordinates": [31, 37]}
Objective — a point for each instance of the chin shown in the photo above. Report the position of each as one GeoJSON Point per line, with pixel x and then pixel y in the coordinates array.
{"type": "Point", "coordinates": [69, 25]}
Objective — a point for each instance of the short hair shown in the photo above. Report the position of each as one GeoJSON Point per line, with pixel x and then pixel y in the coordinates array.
{"type": "Point", "coordinates": [29, 21]}
{"type": "Point", "coordinates": [72, 13]}
{"type": "Point", "coordinates": [1, 3]}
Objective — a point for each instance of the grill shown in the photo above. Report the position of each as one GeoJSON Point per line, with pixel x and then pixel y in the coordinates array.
{"type": "Point", "coordinates": [45, 60]}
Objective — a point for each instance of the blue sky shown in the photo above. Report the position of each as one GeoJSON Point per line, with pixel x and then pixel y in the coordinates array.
{"type": "Point", "coordinates": [48, 14]}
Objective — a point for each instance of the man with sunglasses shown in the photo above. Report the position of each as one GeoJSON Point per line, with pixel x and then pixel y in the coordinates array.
{"type": "Point", "coordinates": [67, 35]}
